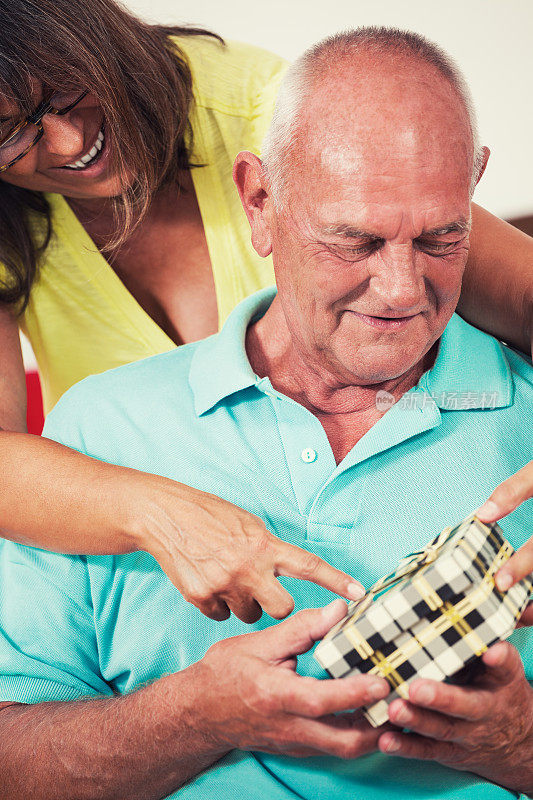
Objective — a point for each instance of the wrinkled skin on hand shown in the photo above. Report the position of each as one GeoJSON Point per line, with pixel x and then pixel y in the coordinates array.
{"type": "Point", "coordinates": [222, 558]}
{"type": "Point", "coordinates": [254, 700]}
{"type": "Point", "coordinates": [485, 728]}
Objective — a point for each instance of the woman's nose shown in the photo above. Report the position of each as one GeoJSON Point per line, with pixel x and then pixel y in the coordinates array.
{"type": "Point", "coordinates": [61, 136]}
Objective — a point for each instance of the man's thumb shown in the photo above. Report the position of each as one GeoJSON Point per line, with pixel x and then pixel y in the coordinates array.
{"type": "Point", "coordinates": [297, 634]}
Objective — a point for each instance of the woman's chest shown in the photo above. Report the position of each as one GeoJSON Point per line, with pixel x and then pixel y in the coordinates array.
{"type": "Point", "coordinates": [166, 266]}
{"type": "Point", "coordinates": [167, 269]}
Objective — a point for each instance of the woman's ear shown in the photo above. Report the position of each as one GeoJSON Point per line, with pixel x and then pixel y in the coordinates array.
{"type": "Point", "coordinates": [252, 185]}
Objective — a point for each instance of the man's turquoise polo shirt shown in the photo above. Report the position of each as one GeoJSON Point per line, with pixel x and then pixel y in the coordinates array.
{"type": "Point", "coordinates": [73, 626]}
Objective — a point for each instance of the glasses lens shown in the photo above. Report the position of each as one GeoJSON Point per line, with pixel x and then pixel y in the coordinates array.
{"type": "Point", "coordinates": [18, 143]}
{"type": "Point", "coordinates": [62, 100]}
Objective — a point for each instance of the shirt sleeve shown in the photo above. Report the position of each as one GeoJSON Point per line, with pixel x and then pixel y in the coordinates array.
{"type": "Point", "coordinates": [48, 641]}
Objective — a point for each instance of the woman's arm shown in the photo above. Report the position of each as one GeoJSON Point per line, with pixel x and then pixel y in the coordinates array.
{"type": "Point", "coordinates": [498, 297]}
{"type": "Point", "coordinates": [12, 378]}
{"type": "Point", "coordinates": [220, 557]}
{"type": "Point", "coordinates": [497, 293]}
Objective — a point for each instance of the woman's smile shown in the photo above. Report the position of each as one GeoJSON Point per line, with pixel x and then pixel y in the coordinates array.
{"type": "Point", "coordinates": [92, 163]}
{"type": "Point", "coordinates": [89, 157]}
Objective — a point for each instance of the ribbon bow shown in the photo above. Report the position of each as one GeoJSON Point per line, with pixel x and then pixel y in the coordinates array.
{"type": "Point", "coordinates": [408, 565]}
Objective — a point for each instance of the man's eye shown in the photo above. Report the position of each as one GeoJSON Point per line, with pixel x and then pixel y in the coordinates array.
{"type": "Point", "coordinates": [438, 247]}
{"type": "Point", "coordinates": [354, 252]}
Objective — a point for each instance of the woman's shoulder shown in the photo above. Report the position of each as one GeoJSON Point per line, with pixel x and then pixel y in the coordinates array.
{"type": "Point", "coordinates": [233, 78]}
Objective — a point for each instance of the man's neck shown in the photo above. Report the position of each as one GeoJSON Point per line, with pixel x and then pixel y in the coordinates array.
{"type": "Point", "coordinates": [346, 408]}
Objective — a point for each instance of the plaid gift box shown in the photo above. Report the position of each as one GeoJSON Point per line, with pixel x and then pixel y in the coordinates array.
{"type": "Point", "coordinates": [436, 613]}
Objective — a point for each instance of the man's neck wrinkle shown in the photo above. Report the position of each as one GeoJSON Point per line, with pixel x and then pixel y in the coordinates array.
{"type": "Point", "coordinates": [274, 356]}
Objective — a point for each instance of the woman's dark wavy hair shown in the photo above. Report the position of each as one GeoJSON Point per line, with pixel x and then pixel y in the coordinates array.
{"type": "Point", "coordinates": [143, 84]}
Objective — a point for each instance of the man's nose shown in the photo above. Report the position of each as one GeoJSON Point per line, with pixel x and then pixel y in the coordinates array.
{"type": "Point", "coordinates": [397, 281]}
{"type": "Point", "coordinates": [61, 136]}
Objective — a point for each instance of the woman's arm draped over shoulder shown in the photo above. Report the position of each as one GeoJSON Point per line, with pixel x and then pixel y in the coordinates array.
{"type": "Point", "coordinates": [498, 297]}
{"type": "Point", "coordinates": [497, 293]}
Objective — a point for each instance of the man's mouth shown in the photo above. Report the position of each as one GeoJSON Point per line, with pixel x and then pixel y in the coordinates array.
{"type": "Point", "coordinates": [91, 156]}
{"type": "Point", "coordinates": [390, 323]}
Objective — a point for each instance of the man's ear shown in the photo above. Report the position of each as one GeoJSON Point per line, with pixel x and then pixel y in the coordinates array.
{"type": "Point", "coordinates": [486, 154]}
{"type": "Point", "coordinates": [252, 185]}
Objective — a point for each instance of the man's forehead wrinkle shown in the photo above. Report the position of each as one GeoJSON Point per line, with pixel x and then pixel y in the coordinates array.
{"type": "Point", "coordinates": [350, 231]}
{"type": "Point", "coordinates": [343, 141]}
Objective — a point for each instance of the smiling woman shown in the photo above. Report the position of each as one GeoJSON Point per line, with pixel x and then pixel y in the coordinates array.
{"type": "Point", "coordinates": [54, 45]}
{"type": "Point", "coordinates": [170, 107]}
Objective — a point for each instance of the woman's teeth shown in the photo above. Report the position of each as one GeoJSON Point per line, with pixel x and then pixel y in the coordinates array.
{"type": "Point", "coordinates": [85, 160]}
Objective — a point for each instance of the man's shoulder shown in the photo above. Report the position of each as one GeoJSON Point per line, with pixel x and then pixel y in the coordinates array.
{"type": "Point", "coordinates": [140, 389]}
{"type": "Point", "coordinates": [521, 370]}
{"type": "Point", "coordinates": [486, 352]}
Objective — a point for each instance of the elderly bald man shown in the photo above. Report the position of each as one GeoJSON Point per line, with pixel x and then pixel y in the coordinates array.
{"type": "Point", "coordinates": [351, 411]}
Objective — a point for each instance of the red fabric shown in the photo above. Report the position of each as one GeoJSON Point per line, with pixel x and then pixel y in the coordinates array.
{"type": "Point", "coordinates": [34, 416]}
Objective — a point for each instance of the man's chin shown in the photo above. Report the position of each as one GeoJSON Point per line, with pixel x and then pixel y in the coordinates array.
{"type": "Point", "coordinates": [368, 371]}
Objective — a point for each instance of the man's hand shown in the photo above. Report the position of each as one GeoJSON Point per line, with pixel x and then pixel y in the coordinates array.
{"type": "Point", "coordinates": [222, 558]}
{"type": "Point", "coordinates": [486, 728]}
{"type": "Point", "coordinates": [252, 699]}
{"type": "Point", "coordinates": [504, 499]}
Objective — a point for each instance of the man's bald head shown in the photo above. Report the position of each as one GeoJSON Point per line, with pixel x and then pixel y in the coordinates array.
{"type": "Point", "coordinates": [365, 203]}
{"type": "Point", "coordinates": [365, 95]}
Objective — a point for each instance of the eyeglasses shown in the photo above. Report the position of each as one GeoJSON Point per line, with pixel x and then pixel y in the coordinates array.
{"type": "Point", "coordinates": [28, 132]}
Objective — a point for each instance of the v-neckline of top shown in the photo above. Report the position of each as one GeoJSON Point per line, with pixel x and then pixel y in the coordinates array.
{"type": "Point", "coordinates": [210, 200]}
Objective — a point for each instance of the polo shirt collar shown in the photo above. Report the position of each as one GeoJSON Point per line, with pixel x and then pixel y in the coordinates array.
{"type": "Point", "coordinates": [470, 370]}
{"type": "Point", "coordinates": [220, 366]}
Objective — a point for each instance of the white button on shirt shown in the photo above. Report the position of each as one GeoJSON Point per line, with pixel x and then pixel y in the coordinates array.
{"type": "Point", "coordinates": [308, 455]}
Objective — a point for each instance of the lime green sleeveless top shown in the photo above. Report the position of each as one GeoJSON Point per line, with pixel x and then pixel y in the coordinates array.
{"type": "Point", "coordinates": [81, 319]}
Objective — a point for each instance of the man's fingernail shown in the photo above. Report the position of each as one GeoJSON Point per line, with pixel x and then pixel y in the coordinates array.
{"type": "Point", "coordinates": [488, 509]}
{"type": "Point", "coordinates": [355, 591]}
{"type": "Point", "coordinates": [332, 611]}
{"type": "Point", "coordinates": [392, 745]}
{"type": "Point", "coordinates": [504, 581]}
{"type": "Point", "coordinates": [333, 603]}
{"type": "Point", "coordinates": [378, 691]}
{"type": "Point", "coordinates": [424, 694]}
{"type": "Point", "coordinates": [403, 715]}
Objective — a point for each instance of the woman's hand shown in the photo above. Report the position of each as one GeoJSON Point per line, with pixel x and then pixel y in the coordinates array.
{"type": "Point", "coordinates": [504, 499]}
{"type": "Point", "coordinates": [486, 728]}
{"type": "Point", "coordinates": [222, 558]}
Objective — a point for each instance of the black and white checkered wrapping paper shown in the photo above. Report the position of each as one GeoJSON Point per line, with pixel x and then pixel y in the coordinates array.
{"type": "Point", "coordinates": [430, 618]}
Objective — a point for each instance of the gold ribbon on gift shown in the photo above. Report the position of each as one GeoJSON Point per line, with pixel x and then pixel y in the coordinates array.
{"type": "Point", "coordinates": [409, 564]}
